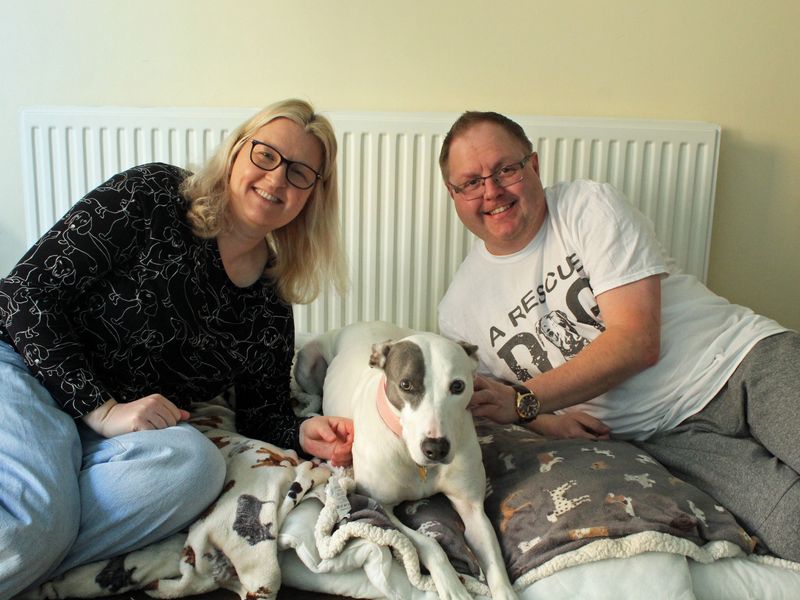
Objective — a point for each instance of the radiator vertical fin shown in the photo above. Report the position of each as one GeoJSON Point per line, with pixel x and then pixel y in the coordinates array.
{"type": "Point", "coordinates": [403, 238]}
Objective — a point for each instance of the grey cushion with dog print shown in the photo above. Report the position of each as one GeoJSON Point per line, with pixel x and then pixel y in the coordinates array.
{"type": "Point", "coordinates": [549, 497]}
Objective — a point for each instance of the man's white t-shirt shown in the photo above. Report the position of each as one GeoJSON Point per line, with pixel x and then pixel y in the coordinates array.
{"type": "Point", "coordinates": [533, 310]}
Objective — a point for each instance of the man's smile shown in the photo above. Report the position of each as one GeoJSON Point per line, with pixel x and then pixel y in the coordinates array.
{"type": "Point", "coordinates": [500, 209]}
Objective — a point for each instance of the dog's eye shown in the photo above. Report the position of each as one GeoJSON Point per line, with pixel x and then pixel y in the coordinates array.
{"type": "Point", "coordinates": [457, 386]}
{"type": "Point", "coordinates": [406, 385]}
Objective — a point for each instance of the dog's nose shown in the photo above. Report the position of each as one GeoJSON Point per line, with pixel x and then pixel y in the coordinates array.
{"type": "Point", "coordinates": [435, 448]}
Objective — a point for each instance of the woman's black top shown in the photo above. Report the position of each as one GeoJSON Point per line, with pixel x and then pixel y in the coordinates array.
{"type": "Point", "coordinates": [121, 300]}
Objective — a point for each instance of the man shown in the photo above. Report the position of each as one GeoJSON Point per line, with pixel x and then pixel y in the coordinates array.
{"type": "Point", "coordinates": [577, 301]}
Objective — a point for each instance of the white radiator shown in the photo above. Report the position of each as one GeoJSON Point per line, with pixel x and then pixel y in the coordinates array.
{"type": "Point", "coordinates": [403, 238]}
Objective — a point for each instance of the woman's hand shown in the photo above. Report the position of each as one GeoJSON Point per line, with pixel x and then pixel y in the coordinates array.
{"type": "Point", "coordinates": [570, 425]}
{"type": "Point", "coordinates": [330, 438]}
{"type": "Point", "coordinates": [151, 412]}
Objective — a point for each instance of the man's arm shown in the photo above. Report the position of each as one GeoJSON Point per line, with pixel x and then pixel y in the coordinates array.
{"type": "Point", "coordinates": [630, 343]}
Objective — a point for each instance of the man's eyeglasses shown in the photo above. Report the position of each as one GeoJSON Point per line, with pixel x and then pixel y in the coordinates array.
{"type": "Point", "coordinates": [266, 157]}
{"type": "Point", "coordinates": [504, 176]}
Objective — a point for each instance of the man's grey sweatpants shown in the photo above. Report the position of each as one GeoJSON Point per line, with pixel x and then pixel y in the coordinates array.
{"type": "Point", "coordinates": [743, 448]}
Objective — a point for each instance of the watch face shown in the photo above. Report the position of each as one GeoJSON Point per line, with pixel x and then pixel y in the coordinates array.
{"type": "Point", "coordinates": [527, 407]}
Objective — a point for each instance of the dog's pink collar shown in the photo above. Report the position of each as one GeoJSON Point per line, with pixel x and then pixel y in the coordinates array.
{"type": "Point", "coordinates": [387, 414]}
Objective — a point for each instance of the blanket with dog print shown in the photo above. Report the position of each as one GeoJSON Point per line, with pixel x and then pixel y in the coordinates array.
{"type": "Point", "coordinates": [233, 545]}
{"type": "Point", "coordinates": [554, 503]}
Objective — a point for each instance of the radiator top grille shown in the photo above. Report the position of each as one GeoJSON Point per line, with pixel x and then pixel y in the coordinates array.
{"type": "Point", "coordinates": [403, 238]}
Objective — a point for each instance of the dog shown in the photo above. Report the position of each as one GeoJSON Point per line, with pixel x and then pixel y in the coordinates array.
{"type": "Point", "coordinates": [407, 393]}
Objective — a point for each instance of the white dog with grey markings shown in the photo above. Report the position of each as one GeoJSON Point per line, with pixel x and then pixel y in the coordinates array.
{"type": "Point", "coordinates": [407, 393]}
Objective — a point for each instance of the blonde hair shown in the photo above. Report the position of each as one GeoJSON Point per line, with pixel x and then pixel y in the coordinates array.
{"type": "Point", "coordinates": [306, 253]}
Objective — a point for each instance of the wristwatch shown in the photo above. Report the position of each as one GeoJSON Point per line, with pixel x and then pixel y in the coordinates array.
{"type": "Point", "coordinates": [526, 403]}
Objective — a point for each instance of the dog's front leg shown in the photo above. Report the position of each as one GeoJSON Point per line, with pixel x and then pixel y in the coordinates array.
{"type": "Point", "coordinates": [482, 538]}
{"type": "Point", "coordinates": [448, 584]}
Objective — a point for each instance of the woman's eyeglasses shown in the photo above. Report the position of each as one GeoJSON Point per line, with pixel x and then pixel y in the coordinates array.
{"type": "Point", "coordinates": [298, 174]}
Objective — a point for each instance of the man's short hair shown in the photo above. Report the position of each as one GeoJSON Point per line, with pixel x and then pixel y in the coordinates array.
{"type": "Point", "coordinates": [473, 117]}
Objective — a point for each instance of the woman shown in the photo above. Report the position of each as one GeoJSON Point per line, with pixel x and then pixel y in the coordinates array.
{"type": "Point", "coordinates": [157, 290]}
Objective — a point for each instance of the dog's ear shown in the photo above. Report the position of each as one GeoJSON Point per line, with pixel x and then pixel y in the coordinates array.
{"type": "Point", "coordinates": [470, 349]}
{"type": "Point", "coordinates": [472, 352]}
{"type": "Point", "coordinates": [379, 353]}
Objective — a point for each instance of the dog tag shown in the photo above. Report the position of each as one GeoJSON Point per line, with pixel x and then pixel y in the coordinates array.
{"type": "Point", "coordinates": [423, 473]}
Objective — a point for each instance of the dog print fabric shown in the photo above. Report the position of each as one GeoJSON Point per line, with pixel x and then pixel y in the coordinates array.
{"type": "Point", "coordinates": [554, 504]}
{"type": "Point", "coordinates": [548, 497]}
{"type": "Point", "coordinates": [233, 545]}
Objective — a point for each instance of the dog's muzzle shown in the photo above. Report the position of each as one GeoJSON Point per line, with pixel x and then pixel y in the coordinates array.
{"type": "Point", "coordinates": [435, 449]}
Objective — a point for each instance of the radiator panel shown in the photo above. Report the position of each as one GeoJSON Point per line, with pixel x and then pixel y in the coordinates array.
{"type": "Point", "coordinates": [403, 239]}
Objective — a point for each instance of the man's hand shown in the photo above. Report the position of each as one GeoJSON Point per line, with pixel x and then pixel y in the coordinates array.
{"type": "Point", "coordinates": [330, 438]}
{"type": "Point", "coordinates": [571, 425]}
{"type": "Point", "coordinates": [494, 400]}
{"type": "Point", "coordinates": [151, 412]}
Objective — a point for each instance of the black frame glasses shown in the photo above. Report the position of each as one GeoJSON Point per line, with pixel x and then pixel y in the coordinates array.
{"type": "Point", "coordinates": [298, 174]}
{"type": "Point", "coordinates": [503, 176]}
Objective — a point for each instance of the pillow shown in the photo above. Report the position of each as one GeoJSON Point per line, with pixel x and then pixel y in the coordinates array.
{"type": "Point", "coordinates": [550, 498]}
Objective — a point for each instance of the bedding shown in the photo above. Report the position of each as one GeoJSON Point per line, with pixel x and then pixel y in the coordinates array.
{"type": "Point", "coordinates": [575, 519]}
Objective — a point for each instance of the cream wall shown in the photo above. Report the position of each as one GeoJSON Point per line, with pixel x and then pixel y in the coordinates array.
{"type": "Point", "coordinates": [727, 61]}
